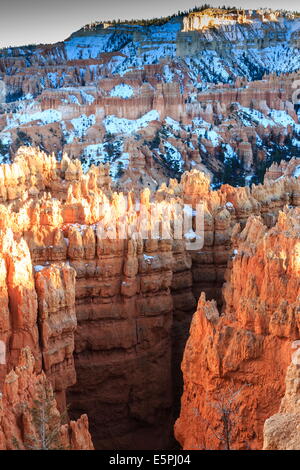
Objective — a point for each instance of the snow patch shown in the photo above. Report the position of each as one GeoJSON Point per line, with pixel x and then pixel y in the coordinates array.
{"type": "Point", "coordinates": [122, 91]}
{"type": "Point", "coordinates": [82, 124]}
{"type": "Point", "coordinates": [38, 268]}
{"type": "Point", "coordinates": [173, 124]}
{"type": "Point", "coordinates": [296, 172]}
{"type": "Point", "coordinates": [115, 125]}
{"type": "Point", "coordinates": [43, 117]}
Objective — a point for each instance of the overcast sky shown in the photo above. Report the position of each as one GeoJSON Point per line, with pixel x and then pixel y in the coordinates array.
{"type": "Point", "coordinates": [46, 21]}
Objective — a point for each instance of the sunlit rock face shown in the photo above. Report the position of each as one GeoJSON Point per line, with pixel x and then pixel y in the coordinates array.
{"type": "Point", "coordinates": [237, 357]}
{"type": "Point", "coordinates": [106, 318]}
{"type": "Point", "coordinates": [38, 312]}
{"type": "Point", "coordinates": [281, 431]}
{"type": "Point", "coordinates": [277, 170]}
{"type": "Point", "coordinates": [216, 18]}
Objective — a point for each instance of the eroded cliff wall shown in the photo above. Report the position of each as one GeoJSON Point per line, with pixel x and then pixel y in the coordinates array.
{"type": "Point", "coordinates": [281, 431]}
{"type": "Point", "coordinates": [29, 418]}
{"type": "Point", "coordinates": [123, 303]}
{"type": "Point", "coordinates": [236, 357]}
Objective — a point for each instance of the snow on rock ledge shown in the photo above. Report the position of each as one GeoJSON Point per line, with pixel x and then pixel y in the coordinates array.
{"type": "Point", "coordinates": [122, 91]}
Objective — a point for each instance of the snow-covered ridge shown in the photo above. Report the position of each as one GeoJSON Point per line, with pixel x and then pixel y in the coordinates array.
{"type": "Point", "coordinates": [256, 48]}
{"type": "Point", "coordinates": [171, 37]}
{"type": "Point", "coordinates": [115, 125]}
{"type": "Point", "coordinates": [274, 118]}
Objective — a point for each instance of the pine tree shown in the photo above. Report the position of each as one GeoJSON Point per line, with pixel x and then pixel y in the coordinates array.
{"type": "Point", "coordinates": [46, 421]}
{"type": "Point", "coordinates": [227, 407]}
{"type": "Point", "coordinates": [120, 170]}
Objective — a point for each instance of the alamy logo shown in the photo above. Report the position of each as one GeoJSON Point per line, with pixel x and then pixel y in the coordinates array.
{"type": "Point", "coordinates": [160, 221]}
{"type": "Point", "coordinates": [2, 91]}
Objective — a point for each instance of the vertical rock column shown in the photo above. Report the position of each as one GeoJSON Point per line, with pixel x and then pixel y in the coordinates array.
{"type": "Point", "coordinates": [18, 324]}
{"type": "Point", "coordinates": [55, 286]}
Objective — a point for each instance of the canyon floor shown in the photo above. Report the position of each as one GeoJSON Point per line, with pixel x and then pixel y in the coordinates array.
{"type": "Point", "coordinates": [122, 325]}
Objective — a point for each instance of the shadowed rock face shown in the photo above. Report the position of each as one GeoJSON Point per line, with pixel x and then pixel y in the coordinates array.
{"type": "Point", "coordinates": [113, 315]}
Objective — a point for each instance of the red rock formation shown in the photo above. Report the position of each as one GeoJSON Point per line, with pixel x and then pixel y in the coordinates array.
{"type": "Point", "coordinates": [38, 311]}
{"type": "Point", "coordinates": [281, 431]}
{"type": "Point", "coordinates": [22, 393]}
{"type": "Point", "coordinates": [283, 168]}
{"type": "Point", "coordinates": [133, 298]}
{"type": "Point", "coordinates": [236, 349]}
{"type": "Point", "coordinates": [34, 172]}
{"type": "Point", "coordinates": [55, 287]}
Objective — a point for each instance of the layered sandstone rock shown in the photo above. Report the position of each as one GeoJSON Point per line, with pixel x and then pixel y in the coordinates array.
{"type": "Point", "coordinates": [34, 172]}
{"type": "Point", "coordinates": [123, 351]}
{"type": "Point", "coordinates": [55, 287]}
{"type": "Point", "coordinates": [277, 170]}
{"type": "Point", "coordinates": [230, 355]}
{"type": "Point", "coordinates": [22, 396]}
{"type": "Point", "coordinates": [38, 311]}
{"type": "Point", "coordinates": [132, 300]}
{"type": "Point", "coordinates": [281, 431]}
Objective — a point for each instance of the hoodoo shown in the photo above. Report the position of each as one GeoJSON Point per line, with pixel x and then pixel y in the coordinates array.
{"type": "Point", "coordinates": [150, 236]}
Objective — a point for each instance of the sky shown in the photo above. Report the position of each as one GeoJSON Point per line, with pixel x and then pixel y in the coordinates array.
{"type": "Point", "coordinates": [48, 21]}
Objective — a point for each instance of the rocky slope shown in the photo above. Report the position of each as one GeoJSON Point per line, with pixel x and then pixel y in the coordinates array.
{"type": "Point", "coordinates": [281, 431]}
{"type": "Point", "coordinates": [23, 389]}
{"type": "Point", "coordinates": [157, 100]}
{"type": "Point", "coordinates": [291, 168]}
{"type": "Point", "coordinates": [236, 357]}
